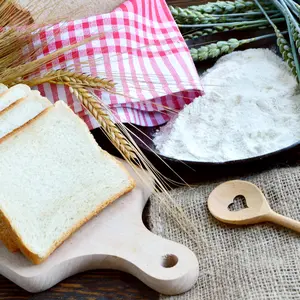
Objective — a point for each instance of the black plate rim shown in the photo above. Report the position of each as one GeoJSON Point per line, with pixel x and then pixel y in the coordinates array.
{"type": "Point", "coordinates": [229, 162]}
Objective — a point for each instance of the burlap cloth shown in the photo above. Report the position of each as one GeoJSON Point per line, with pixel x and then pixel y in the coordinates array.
{"type": "Point", "coordinates": [240, 263]}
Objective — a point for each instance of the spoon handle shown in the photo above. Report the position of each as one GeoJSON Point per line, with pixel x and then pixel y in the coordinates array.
{"type": "Point", "coordinates": [283, 221]}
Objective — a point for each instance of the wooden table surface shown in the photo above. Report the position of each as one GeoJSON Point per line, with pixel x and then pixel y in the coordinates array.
{"type": "Point", "coordinates": [92, 285]}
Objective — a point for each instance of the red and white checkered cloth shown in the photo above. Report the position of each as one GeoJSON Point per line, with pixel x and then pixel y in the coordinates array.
{"type": "Point", "coordinates": [141, 50]}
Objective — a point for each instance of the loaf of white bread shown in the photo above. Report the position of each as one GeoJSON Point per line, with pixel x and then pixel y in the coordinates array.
{"type": "Point", "coordinates": [54, 176]}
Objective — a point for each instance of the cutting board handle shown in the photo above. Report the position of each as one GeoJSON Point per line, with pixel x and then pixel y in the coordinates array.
{"type": "Point", "coordinates": [165, 266]}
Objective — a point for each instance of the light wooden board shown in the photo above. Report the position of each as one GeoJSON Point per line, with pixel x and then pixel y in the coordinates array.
{"type": "Point", "coordinates": [115, 239]}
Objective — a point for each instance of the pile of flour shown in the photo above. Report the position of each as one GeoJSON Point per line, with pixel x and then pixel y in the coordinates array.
{"type": "Point", "coordinates": [250, 108]}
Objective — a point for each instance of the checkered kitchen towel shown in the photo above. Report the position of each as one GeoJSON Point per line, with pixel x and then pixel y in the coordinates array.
{"type": "Point", "coordinates": [141, 50]}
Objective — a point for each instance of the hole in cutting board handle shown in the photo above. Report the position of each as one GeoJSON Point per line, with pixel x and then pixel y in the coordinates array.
{"type": "Point", "coordinates": [169, 261]}
{"type": "Point", "coordinates": [239, 202]}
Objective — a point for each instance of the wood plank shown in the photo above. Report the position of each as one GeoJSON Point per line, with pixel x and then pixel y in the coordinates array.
{"type": "Point", "coordinates": [185, 3]}
{"type": "Point", "coordinates": [92, 285]}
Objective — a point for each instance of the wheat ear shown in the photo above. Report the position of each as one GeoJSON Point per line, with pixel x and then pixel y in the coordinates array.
{"type": "Point", "coordinates": [98, 112]}
{"type": "Point", "coordinates": [223, 7]}
{"type": "Point", "coordinates": [222, 47]}
{"type": "Point", "coordinates": [78, 84]}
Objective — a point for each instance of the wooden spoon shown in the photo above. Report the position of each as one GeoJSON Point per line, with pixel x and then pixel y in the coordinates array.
{"type": "Point", "coordinates": [257, 210]}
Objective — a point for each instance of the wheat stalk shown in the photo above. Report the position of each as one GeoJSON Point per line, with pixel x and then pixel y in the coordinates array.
{"type": "Point", "coordinates": [208, 31]}
{"type": "Point", "coordinates": [11, 74]}
{"type": "Point", "coordinates": [68, 77]}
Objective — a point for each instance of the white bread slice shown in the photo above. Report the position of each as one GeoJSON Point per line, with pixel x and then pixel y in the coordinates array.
{"type": "Point", "coordinates": [13, 94]}
{"type": "Point", "coordinates": [55, 178]}
{"type": "Point", "coordinates": [14, 116]}
{"type": "Point", "coordinates": [21, 111]}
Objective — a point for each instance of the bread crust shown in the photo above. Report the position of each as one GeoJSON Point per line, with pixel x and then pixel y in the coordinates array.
{"type": "Point", "coordinates": [6, 237]}
{"type": "Point", "coordinates": [14, 234]}
{"type": "Point", "coordinates": [11, 106]}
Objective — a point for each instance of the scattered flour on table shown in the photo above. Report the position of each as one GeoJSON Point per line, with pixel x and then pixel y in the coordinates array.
{"type": "Point", "coordinates": [250, 108]}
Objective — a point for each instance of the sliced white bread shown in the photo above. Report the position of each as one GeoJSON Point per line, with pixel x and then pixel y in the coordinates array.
{"type": "Point", "coordinates": [11, 95]}
{"type": "Point", "coordinates": [21, 111]}
{"type": "Point", "coordinates": [55, 178]}
{"type": "Point", "coordinates": [12, 117]}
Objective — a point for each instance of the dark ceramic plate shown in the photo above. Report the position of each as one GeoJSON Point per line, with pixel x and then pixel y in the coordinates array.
{"type": "Point", "coordinates": [195, 172]}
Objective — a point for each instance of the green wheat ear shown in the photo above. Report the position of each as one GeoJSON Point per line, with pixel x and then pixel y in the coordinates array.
{"type": "Point", "coordinates": [296, 37]}
{"type": "Point", "coordinates": [284, 46]}
{"type": "Point", "coordinates": [285, 51]}
{"type": "Point", "coordinates": [225, 7]}
{"type": "Point", "coordinates": [216, 49]}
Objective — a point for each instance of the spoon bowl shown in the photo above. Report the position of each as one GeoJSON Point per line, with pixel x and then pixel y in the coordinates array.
{"type": "Point", "coordinates": [223, 196]}
{"type": "Point", "coordinates": [256, 208]}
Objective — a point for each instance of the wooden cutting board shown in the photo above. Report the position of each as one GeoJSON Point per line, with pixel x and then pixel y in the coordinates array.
{"type": "Point", "coordinates": [115, 239]}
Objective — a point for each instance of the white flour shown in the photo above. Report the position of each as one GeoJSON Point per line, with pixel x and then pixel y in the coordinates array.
{"type": "Point", "coordinates": [249, 109]}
